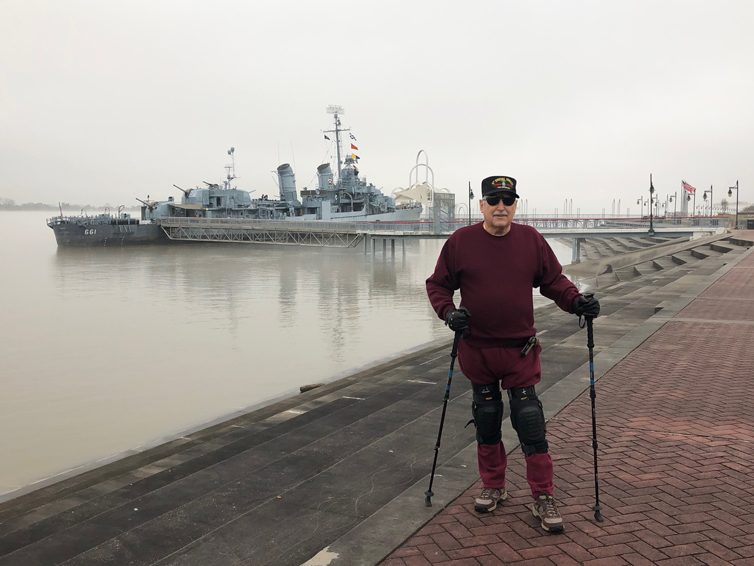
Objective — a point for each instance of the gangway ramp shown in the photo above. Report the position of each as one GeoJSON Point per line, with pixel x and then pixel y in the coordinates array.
{"type": "Point", "coordinates": [323, 234]}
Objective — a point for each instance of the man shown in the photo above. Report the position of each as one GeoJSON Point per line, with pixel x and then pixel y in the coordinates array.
{"type": "Point", "coordinates": [495, 264]}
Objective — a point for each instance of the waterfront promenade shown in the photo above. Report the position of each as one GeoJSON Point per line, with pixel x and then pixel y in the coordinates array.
{"type": "Point", "coordinates": [676, 446]}
{"type": "Point", "coordinates": [336, 476]}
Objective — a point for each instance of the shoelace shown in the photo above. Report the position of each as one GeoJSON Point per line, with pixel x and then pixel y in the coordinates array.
{"type": "Point", "coordinates": [486, 493]}
{"type": "Point", "coordinates": [551, 510]}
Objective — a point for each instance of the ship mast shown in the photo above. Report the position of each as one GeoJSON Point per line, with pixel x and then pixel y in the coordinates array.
{"type": "Point", "coordinates": [336, 110]}
{"type": "Point", "coordinates": [231, 169]}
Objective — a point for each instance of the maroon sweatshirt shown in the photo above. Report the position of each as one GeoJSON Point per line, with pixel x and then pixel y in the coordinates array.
{"type": "Point", "coordinates": [495, 275]}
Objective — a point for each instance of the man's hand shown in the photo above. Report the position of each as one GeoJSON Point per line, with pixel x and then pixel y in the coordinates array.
{"type": "Point", "coordinates": [583, 306]}
{"type": "Point", "coordinates": [457, 319]}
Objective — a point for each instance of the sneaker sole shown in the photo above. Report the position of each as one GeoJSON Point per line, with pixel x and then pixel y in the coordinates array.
{"type": "Point", "coordinates": [557, 529]}
{"type": "Point", "coordinates": [494, 505]}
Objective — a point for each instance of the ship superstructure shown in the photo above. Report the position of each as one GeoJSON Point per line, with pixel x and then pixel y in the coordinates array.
{"type": "Point", "coordinates": [349, 197]}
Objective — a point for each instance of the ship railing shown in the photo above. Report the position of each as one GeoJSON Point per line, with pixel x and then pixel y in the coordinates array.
{"type": "Point", "coordinates": [258, 224]}
{"type": "Point", "coordinates": [55, 220]}
{"type": "Point", "coordinates": [296, 225]}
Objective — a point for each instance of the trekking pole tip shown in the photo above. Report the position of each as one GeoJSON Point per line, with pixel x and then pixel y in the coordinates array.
{"type": "Point", "coordinates": [597, 515]}
{"type": "Point", "coordinates": [428, 500]}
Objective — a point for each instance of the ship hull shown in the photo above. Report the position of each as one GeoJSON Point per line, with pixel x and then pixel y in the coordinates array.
{"type": "Point", "coordinates": [105, 235]}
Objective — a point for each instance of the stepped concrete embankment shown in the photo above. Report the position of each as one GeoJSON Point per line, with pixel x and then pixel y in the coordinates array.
{"type": "Point", "coordinates": [641, 251]}
{"type": "Point", "coordinates": [337, 475]}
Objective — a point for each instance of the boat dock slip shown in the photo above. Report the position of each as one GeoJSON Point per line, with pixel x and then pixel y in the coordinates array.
{"type": "Point", "coordinates": [336, 476]}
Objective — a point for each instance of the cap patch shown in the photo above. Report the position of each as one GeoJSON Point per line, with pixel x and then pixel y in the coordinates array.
{"type": "Point", "coordinates": [503, 183]}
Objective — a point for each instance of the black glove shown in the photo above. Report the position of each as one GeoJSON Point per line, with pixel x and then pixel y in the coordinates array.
{"type": "Point", "coordinates": [457, 319]}
{"type": "Point", "coordinates": [586, 307]}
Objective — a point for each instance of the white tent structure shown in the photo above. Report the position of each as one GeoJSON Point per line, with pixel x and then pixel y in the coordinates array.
{"type": "Point", "coordinates": [436, 203]}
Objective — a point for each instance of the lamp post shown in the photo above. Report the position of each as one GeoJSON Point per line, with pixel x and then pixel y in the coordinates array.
{"type": "Point", "coordinates": [730, 194]}
{"type": "Point", "coordinates": [471, 196]}
{"type": "Point", "coordinates": [674, 200]}
{"type": "Point", "coordinates": [640, 202]}
{"type": "Point", "coordinates": [711, 202]}
{"type": "Point", "coordinates": [704, 197]}
{"type": "Point", "coordinates": [651, 192]}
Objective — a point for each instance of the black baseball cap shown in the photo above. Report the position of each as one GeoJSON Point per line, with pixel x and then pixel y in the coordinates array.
{"type": "Point", "coordinates": [498, 185]}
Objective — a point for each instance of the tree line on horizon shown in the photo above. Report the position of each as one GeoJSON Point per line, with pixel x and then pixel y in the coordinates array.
{"type": "Point", "coordinates": [10, 204]}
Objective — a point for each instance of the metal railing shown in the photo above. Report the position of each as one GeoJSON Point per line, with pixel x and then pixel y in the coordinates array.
{"type": "Point", "coordinates": [258, 224]}
{"type": "Point", "coordinates": [429, 227]}
{"type": "Point", "coordinates": [100, 219]}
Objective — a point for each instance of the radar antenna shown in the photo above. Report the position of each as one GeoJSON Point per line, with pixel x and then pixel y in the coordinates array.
{"type": "Point", "coordinates": [231, 169]}
{"type": "Point", "coordinates": [337, 110]}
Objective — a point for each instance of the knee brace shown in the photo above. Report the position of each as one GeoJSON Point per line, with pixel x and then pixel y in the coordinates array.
{"type": "Point", "coordinates": [528, 420]}
{"type": "Point", "coordinates": [487, 410]}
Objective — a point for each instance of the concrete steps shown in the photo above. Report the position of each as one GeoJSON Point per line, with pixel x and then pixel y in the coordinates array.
{"type": "Point", "coordinates": [647, 267]}
{"type": "Point", "coordinates": [722, 248]}
{"type": "Point", "coordinates": [703, 252]}
{"type": "Point", "coordinates": [684, 257]}
{"type": "Point", "coordinates": [607, 279]}
{"type": "Point", "coordinates": [640, 242]}
{"type": "Point", "coordinates": [665, 263]}
{"type": "Point", "coordinates": [623, 245]}
{"type": "Point", "coordinates": [680, 262]}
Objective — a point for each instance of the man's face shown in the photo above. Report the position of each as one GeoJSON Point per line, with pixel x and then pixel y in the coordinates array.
{"type": "Point", "coordinates": [498, 218]}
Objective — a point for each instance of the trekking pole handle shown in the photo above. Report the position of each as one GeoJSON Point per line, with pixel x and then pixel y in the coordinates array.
{"type": "Point", "coordinates": [589, 320]}
{"type": "Point", "coordinates": [456, 339]}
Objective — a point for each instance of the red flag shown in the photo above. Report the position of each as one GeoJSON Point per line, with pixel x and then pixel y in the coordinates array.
{"type": "Point", "coordinates": [688, 187]}
{"type": "Point", "coordinates": [354, 147]}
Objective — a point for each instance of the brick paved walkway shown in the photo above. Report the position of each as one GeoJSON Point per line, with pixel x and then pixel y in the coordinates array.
{"type": "Point", "coordinates": [676, 434]}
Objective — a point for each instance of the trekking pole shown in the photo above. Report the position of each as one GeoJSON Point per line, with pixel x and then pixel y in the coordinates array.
{"type": "Point", "coordinates": [593, 394]}
{"type": "Point", "coordinates": [453, 354]}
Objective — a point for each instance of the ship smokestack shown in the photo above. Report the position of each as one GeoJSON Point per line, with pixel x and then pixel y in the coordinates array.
{"type": "Point", "coordinates": [325, 177]}
{"type": "Point", "coordinates": [287, 182]}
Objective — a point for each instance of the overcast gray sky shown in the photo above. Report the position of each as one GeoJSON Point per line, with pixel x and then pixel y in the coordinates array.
{"type": "Point", "coordinates": [104, 101]}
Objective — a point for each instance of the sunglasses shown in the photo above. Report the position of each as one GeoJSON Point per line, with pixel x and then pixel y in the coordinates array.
{"type": "Point", "coordinates": [493, 200]}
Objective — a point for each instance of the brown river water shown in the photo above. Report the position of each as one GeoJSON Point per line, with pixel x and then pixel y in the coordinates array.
{"type": "Point", "coordinates": [106, 351]}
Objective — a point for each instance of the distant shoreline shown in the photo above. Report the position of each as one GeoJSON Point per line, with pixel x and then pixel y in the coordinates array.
{"type": "Point", "coordinates": [34, 207]}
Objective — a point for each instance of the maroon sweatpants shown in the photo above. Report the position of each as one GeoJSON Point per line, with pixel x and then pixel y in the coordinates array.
{"type": "Point", "coordinates": [487, 365]}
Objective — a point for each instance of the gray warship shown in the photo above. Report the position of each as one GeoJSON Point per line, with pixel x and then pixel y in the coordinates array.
{"type": "Point", "coordinates": [104, 229]}
{"type": "Point", "coordinates": [349, 198]}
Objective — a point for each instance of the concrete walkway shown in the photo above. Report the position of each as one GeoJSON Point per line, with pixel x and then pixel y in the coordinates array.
{"type": "Point", "coordinates": [676, 450]}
